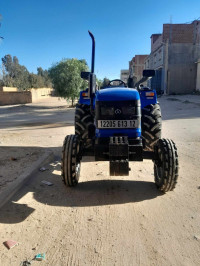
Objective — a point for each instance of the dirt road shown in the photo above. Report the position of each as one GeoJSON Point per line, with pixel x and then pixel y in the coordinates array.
{"type": "Point", "coordinates": [107, 220]}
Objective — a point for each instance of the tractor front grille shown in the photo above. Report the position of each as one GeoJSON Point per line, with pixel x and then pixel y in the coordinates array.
{"type": "Point", "coordinates": [122, 110]}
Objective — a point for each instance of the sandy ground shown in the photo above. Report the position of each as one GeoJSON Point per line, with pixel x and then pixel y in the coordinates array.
{"type": "Point", "coordinates": [14, 162]}
{"type": "Point", "coordinates": [104, 220]}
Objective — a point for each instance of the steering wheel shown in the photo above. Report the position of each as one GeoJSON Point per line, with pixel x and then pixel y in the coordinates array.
{"type": "Point", "coordinates": [121, 82]}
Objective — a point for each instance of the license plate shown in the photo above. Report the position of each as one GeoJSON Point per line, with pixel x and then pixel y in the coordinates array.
{"type": "Point", "coordinates": [117, 123]}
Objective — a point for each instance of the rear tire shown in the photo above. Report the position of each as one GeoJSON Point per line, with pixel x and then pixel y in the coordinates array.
{"type": "Point", "coordinates": [83, 120]}
{"type": "Point", "coordinates": [70, 164]}
{"type": "Point", "coordinates": [151, 125]}
{"type": "Point", "coordinates": [166, 165]}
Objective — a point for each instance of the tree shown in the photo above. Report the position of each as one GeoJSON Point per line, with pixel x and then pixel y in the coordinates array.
{"type": "Point", "coordinates": [99, 82]}
{"type": "Point", "coordinates": [36, 81]}
{"type": "Point", "coordinates": [45, 77]}
{"type": "Point", "coordinates": [105, 82]}
{"type": "Point", "coordinates": [14, 74]}
{"type": "Point", "coordinates": [66, 78]}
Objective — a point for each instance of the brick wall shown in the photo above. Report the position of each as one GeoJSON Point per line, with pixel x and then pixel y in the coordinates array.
{"type": "Point", "coordinates": [178, 33]}
{"type": "Point", "coordinates": [139, 65]}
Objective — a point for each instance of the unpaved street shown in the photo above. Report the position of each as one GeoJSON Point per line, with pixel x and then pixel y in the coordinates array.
{"type": "Point", "coordinates": [104, 220]}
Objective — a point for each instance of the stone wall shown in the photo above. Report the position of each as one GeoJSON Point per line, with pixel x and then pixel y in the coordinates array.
{"type": "Point", "coordinates": [9, 98]}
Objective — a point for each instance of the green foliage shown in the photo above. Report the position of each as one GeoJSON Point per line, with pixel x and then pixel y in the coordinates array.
{"type": "Point", "coordinates": [105, 82]}
{"type": "Point", "coordinates": [66, 78]}
{"type": "Point", "coordinates": [44, 76]}
{"type": "Point", "coordinates": [99, 82]}
{"type": "Point", "coordinates": [16, 75]}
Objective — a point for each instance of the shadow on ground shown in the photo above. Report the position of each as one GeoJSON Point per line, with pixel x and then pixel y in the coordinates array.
{"type": "Point", "coordinates": [96, 192]}
{"type": "Point", "coordinates": [26, 116]}
{"type": "Point", "coordinates": [175, 108]}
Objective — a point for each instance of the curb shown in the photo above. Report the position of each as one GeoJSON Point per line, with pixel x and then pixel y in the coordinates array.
{"type": "Point", "coordinates": [19, 182]}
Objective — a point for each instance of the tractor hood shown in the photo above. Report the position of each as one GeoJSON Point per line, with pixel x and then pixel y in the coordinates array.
{"type": "Point", "coordinates": [117, 94]}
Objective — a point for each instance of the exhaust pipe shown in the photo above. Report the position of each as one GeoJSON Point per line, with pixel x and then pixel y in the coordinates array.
{"type": "Point", "coordinates": [93, 51]}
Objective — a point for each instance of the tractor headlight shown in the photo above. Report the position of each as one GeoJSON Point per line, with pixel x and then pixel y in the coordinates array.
{"type": "Point", "coordinates": [107, 110]}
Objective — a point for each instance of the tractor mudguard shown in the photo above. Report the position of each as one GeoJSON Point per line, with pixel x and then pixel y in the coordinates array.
{"type": "Point", "coordinates": [147, 97]}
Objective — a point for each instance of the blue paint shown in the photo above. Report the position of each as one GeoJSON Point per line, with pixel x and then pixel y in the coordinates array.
{"type": "Point", "coordinates": [117, 94]}
{"type": "Point", "coordinates": [120, 94]}
{"type": "Point", "coordinates": [83, 100]}
{"type": "Point", "coordinates": [144, 99]}
{"type": "Point", "coordinates": [106, 133]}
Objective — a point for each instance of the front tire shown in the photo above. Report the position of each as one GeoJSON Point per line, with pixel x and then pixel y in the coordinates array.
{"type": "Point", "coordinates": [70, 164]}
{"type": "Point", "coordinates": [166, 165]}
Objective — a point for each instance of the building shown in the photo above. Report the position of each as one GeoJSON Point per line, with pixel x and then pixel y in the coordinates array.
{"type": "Point", "coordinates": [124, 74]}
{"type": "Point", "coordinates": [136, 67]}
{"type": "Point", "coordinates": [175, 55]}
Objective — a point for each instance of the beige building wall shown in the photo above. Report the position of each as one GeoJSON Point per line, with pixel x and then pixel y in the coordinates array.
{"type": "Point", "coordinates": [9, 97]}
{"type": "Point", "coordinates": [8, 89]}
{"type": "Point", "coordinates": [41, 93]}
{"type": "Point", "coordinates": [15, 97]}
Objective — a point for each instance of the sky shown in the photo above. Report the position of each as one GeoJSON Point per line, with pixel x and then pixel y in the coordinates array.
{"type": "Point", "coordinates": [43, 32]}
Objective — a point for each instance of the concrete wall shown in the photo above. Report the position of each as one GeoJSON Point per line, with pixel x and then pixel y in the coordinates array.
{"type": "Point", "coordinates": [156, 41]}
{"type": "Point", "coordinates": [124, 74]}
{"type": "Point", "coordinates": [8, 88]}
{"type": "Point", "coordinates": [40, 93]}
{"type": "Point", "coordinates": [181, 79]}
{"type": "Point", "coordinates": [9, 98]}
{"type": "Point", "coordinates": [182, 69]}
{"type": "Point", "coordinates": [198, 76]}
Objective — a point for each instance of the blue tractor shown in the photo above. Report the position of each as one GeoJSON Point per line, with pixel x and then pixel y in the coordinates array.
{"type": "Point", "coordinates": [119, 124]}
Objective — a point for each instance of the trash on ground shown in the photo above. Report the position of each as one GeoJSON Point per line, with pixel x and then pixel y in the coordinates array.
{"type": "Point", "coordinates": [13, 158]}
{"type": "Point", "coordinates": [25, 263]}
{"type": "Point", "coordinates": [40, 256]}
{"type": "Point", "coordinates": [47, 183]}
{"type": "Point", "coordinates": [10, 243]}
{"type": "Point", "coordinates": [42, 169]}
